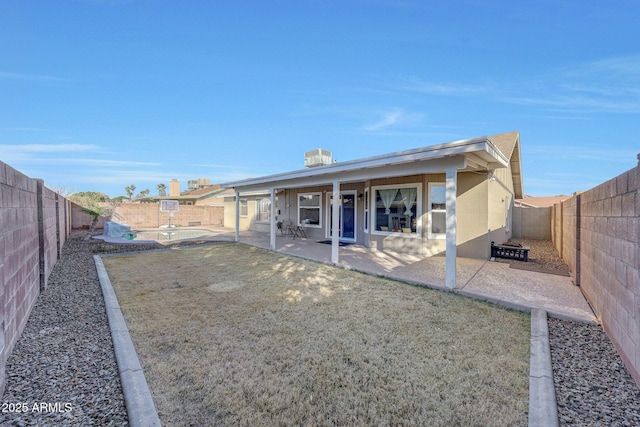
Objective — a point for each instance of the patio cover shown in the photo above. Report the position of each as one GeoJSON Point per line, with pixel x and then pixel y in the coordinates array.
{"type": "Point", "coordinates": [475, 154]}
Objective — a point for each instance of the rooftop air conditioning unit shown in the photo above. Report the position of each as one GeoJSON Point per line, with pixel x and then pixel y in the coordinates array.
{"type": "Point", "coordinates": [317, 157]}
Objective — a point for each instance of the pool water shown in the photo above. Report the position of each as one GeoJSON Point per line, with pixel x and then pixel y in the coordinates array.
{"type": "Point", "coordinates": [167, 234]}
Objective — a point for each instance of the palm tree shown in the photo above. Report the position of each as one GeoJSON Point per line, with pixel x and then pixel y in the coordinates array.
{"type": "Point", "coordinates": [130, 189]}
{"type": "Point", "coordinates": [143, 194]}
{"type": "Point", "coordinates": [162, 190]}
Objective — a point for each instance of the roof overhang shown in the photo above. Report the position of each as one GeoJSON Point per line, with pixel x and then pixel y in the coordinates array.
{"type": "Point", "coordinates": [476, 154]}
{"type": "Point", "coordinates": [516, 170]}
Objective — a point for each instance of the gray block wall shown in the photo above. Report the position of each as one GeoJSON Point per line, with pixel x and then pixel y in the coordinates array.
{"type": "Point", "coordinates": [34, 224]}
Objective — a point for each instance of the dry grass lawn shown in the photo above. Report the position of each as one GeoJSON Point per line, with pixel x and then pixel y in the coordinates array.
{"type": "Point", "coordinates": [236, 335]}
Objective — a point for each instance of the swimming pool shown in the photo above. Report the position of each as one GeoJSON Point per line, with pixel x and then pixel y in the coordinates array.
{"type": "Point", "coordinates": [167, 234]}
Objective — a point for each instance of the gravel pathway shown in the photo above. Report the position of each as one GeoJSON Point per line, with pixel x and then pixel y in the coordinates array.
{"type": "Point", "coordinates": [65, 356]}
{"type": "Point", "coordinates": [593, 387]}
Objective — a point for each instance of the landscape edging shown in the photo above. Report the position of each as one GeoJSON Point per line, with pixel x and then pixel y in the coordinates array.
{"type": "Point", "coordinates": [543, 406]}
{"type": "Point", "coordinates": [140, 407]}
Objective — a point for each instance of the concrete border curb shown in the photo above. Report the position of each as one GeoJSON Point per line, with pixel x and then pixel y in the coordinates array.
{"type": "Point", "coordinates": [140, 407]}
{"type": "Point", "coordinates": [543, 407]}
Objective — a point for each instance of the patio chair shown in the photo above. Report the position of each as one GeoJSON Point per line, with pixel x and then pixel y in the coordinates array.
{"type": "Point", "coordinates": [286, 227]}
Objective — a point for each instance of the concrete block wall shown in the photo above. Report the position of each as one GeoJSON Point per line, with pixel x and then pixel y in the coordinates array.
{"type": "Point", "coordinates": [556, 227]}
{"type": "Point", "coordinates": [532, 223]}
{"type": "Point", "coordinates": [599, 234]}
{"type": "Point", "coordinates": [32, 228]}
{"type": "Point", "coordinates": [569, 247]}
{"type": "Point", "coordinates": [148, 215]}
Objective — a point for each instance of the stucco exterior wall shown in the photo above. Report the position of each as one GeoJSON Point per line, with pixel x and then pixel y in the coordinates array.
{"type": "Point", "coordinates": [481, 214]}
{"type": "Point", "coordinates": [246, 222]}
{"type": "Point", "coordinates": [598, 233]}
{"type": "Point", "coordinates": [473, 216]}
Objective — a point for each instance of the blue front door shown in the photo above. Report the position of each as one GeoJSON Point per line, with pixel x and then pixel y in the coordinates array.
{"type": "Point", "coordinates": [347, 220]}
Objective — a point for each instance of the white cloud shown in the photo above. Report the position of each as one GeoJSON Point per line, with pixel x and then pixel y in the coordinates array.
{"type": "Point", "coordinates": [33, 153]}
{"type": "Point", "coordinates": [32, 77]}
{"type": "Point", "coordinates": [393, 118]}
{"type": "Point", "coordinates": [47, 148]}
{"type": "Point", "coordinates": [621, 66]}
{"type": "Point", "coordinates": [415, 84]}
{"type": "Point", "coordinates": [606, 85]}
{"type": "Point", "coordinates": [582, 153]}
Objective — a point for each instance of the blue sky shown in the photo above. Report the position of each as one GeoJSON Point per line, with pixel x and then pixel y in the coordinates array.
{"type": "Point", "coordinates": [98, 95]}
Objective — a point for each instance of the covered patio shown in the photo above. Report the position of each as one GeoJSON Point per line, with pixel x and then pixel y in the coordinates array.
{"type": "Point", "coordinates": [478, 156]}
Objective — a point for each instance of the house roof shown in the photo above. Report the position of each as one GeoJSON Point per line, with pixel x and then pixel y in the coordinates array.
{"type": "Point", "coordinates": [201, 191]}
{"type": "Point", "coordinates": [509, 144]}
{"type": "Point", "coordinates": [475, 154]}
{"type": "Point", "coordinates": [196, 194]}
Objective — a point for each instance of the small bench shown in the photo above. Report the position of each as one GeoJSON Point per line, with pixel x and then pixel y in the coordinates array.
{"type": "Point", "coordinates": [511, 251]}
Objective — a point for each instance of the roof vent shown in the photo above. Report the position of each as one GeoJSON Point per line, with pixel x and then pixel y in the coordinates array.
{"type": "Point", "coordinates": [317, 157]}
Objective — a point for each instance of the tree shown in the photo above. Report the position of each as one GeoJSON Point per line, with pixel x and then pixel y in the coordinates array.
{"type": "Point", "coordinates": [83, 197]}
{"type": "Point", "coordinates": [92, 203]}
{"type": "Point", "coordinates": [162, 190]}
{"type": "Point", "coordinates": [130, 189]}
{"type": "Point", "coordinates": [143, 194]}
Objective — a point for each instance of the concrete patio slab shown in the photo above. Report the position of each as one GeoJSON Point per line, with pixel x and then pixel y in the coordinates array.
{"type": "Point", "coordinates": [557, 295]}
{"type": "Point", "coordinates": [480, 279]}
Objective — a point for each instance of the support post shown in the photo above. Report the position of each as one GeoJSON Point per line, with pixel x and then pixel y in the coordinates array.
{"type": "Point", "coordinates": [451, 247]}
{"type": "Point", "coordinates": [237, 216]}
{"type": "Point", "coordinates": [335, 222]}
{"type": "Point", "coordinates": [272, 223]}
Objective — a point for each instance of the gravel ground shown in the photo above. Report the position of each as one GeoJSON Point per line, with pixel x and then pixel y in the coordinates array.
{"type": "Point", "coordinates": [593, 387]}
{"type": "Point", "coordinates": [542, 256]}
{"type": "Point", "coordinates": [65, 355]}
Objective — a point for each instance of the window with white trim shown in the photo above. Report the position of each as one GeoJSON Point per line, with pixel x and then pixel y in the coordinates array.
{"type": "Point", "coordinates": [263, 210]}
{"type": "Point", "coordinates": [396, 209]}
{"type": "Point", "coordinates": [437, 210]}
{"type": "Point", "coordinates": [309, 209]}
{"type": "Point", "coordinates": [366, 210]}
{"type": "Point", "coordinates": [243, 208]}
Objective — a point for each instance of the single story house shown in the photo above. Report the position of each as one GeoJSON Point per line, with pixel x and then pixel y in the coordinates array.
{"type": "Point", "coordinates": [455, 198]}
{"type": "Point", "coordinates": [204, 195]}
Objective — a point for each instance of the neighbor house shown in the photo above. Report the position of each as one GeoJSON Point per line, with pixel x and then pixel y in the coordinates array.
{"type": "Point", "coordinates": [200, 193]}
{"type": "Point", "coordinates": [455, 197]}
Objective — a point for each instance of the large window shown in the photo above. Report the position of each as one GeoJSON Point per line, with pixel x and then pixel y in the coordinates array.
{"type": "Point", "coordinates": [263, 208]}
{"type": "Point", "coordinates": [437, 211]}
{"type": "Point", "coordinates": [309, 209]}
{"type": "Point", "coordinates": [396, 209]}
